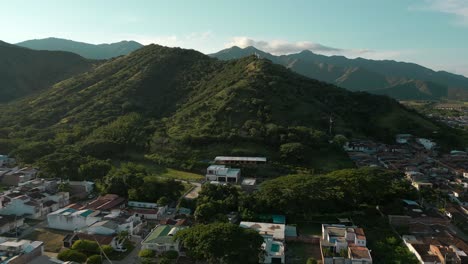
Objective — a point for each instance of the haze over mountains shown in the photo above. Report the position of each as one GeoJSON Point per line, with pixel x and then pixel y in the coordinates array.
{"type": "Point", "coordinates": [86, 50]}
{"type": "Point", "coordinates": [400, 80]}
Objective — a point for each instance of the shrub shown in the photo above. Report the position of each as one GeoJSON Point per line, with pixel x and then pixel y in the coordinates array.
{"type": "Point", "coordinates": [94, 259]}
{"type": "Point", "coordinates": [146, 253]}
{"type": "Point", "coordinates": [72, 255]}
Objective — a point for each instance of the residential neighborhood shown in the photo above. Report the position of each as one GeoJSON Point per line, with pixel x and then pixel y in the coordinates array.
{"type": "Point", "coordinates": [73, 209]}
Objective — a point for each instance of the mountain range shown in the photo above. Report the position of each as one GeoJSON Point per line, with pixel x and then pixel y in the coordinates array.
{"type": "Point", "coordinates": [86, 50]}
{"type": "Point", "coordinates": [24, 71]}
{"type": "Point", "coordinates": [178, 106]}
{"type": "Point", "coordinates": [400, 80]}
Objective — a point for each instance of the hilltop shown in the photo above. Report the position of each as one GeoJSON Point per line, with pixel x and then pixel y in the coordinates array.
{"type": "Point", "coordinates": [24, 71]}
{"type": "Point", "coordinates": [180, 107]}
{"type": "Point", "coordinates": [400, 80]}
{"type": "Point", "coordinates": [86, 50]}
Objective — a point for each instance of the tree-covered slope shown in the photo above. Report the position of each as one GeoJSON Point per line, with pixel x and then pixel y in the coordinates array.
{"type": "Point", "coordinates": [363, 74]}
{"type": "Point", "coordinates": [180, 106]}
{"type": "Point", "coordinates": [24, 71]}
{"type": "Point", "coordinates": [86, 50]}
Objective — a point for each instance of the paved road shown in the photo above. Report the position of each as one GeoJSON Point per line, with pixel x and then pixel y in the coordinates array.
{"type": "Point", "coordinates": [132, 257]}
{"type": "Point", "coordinates": [194, 192]}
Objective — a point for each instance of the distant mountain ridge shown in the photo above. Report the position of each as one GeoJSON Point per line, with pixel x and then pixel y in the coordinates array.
{"type": "Point", "coordinates": [86, 50]}
{"type": "Point", "coordinates": [400, 80]}
{"type": "Point", "coordinates": [24, 71]}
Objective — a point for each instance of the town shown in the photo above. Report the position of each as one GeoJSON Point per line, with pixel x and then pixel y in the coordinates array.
{"type": "Point", "coordinates": [44, 220]}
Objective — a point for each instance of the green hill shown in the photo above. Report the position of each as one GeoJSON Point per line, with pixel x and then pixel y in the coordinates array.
{"type": "Point", "coordinates": [86, 50]}
{"type": "Point", "coordinates": [180, 107]}
{"type": "Point", "coordinates": [24, 71]}
{"type": "Point", "coordinates": [374, 76]}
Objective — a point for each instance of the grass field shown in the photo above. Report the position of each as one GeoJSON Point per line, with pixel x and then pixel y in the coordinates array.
{"type": "Point", "coordinates": [298, 252]}
{"type": "Point", "coordinates": [53, 239]}
{"type": "Point", "coordinates": [181, 175]}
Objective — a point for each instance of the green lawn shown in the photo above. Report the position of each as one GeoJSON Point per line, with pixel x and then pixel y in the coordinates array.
{"type": "Point", "coordinates": [181, 175]}
{"type": "Point", "coordinates": [299, 252]}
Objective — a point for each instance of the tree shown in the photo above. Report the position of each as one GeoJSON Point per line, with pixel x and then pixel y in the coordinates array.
{"type": "Point", "coordinates": [86, 246]}
{"type": "Point", "coordinates": [107, 249]}
{"type": "Point", "coordinates": [171, 254]}
{"type": "Point", "coordinates": [311, 261]}
{"type": "Point", "coordinates": [292, 152]}
{"type": "Point", "coordinates": [163, 201]}
{"type": "Point", "coordinates": [146, 253]}
{"type": "Point", "coordinates": [94, 169]}
{"type": "Point", "coordinates": [94, 259]}
{"type": "Point", "coordinates": [72, 255]}
{"type": "Point", "coordinates": [203, 243]}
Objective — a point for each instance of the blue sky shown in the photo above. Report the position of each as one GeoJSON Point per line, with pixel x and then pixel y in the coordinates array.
{"type": "Point", "coordinates": [433, 33]}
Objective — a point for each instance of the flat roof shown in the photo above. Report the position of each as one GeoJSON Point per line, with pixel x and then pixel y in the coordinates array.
{"type": "Point", "coordinates": [263, 159]}
{"type": "Point", "coordinates": [277, 231]}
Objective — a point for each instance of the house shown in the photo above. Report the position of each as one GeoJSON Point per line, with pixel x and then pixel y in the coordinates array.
{"type": "Point", "coordinates": [69, 239]}
{"type": "Point", "coordinates": [21, 205]}
{"type": "Point", "coordinates": [273, 237]}
{"type": "Point", "coordinates": [14, 251]}
{"type": "Point", "coordinates": [147, 214]}
{"type": "Point", "coordinates": [340, 242]}
{"type": "Point", "coordinates": [125, 220]}
{"type": "Point", "coordinates": [426, 143]}
{"type": "Point", "coordinates": [161, 239]}
{"type": "Point", "coordinates": [403, 138]}
{"type": "Point", "coordinates": [106, 203]}
{"type": "Point", "coordinates": [142, 204]}
{"type": "Point", "coordinates": [359, 255]}
{"type": "Point", "coordinates": [10, 223]}
{"type": "Point", "coordinates": [71, 219]}
{"type": "Point", "coordinates": [221, 173]}
{"type": "Point", "coordinates": [80, 189]}
{"type": "Point", "coordinates": [4, 160]}
{"type": "Point", "coordinates": [105, 227]}
{"type": "Point", "coordinates": [224, 160]}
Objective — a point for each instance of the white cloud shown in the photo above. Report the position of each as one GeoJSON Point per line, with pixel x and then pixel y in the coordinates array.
{"type": "Point", "coordinates": [457, 8]}
{"type": "Point", "coordinates": [185, 41]}
{"type": "Point", "coordinates": [280, 47]}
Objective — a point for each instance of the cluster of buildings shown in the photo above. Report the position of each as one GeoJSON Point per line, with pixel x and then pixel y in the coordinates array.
{"type": "Point", "coordinates": [344, 244]}
{"type": "Point", "coordinates": [429, 235]}
{"type": "Point", "coordinates": [459, 120]}
{"type": "Point", "coordinates": [14, 251]}
{"type": "Point", "coordinates": [429, 229]}
{"type": "Point", "coordinates": [421, 164]}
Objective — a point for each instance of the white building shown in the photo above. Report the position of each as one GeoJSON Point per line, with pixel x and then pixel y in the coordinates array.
{"type": "Point", "coordinates": [341, 238]}
{"type": "Point", "coordinates": [427, 143]}
{"type": "Point", "coordinates": [273, 237]}
{"type": "Point", "coordinates": [222, 174]}
{"type": "Point", "coordinates": [19, 251]}
{"type": "Point", "coordinates": [105, 227]}
{"type": "Point", "coordinates": [71, 219]}
{"type": "Point", "coordinates": [22, 205]}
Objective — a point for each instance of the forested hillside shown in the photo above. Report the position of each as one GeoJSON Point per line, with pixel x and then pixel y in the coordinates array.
{"type": "Point", "coordinates": [179, 107]}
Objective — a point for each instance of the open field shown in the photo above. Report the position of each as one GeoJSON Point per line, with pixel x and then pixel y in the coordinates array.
{"type": "Point", "coordinates": [52, 238]}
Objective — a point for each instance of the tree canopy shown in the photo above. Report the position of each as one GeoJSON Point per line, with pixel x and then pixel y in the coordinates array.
{"type": "Point", "coordinates": [222, 243]}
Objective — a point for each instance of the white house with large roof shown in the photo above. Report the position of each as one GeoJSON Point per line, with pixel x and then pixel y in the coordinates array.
{"type": "Point", "coordinates": [221, 173]}
{"type": "Point", "coordinates": [239, 160]}
{"type": "Point", "coordinates": [71, 219]}
{"type": "Point", "coordinates": [273, 237]}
